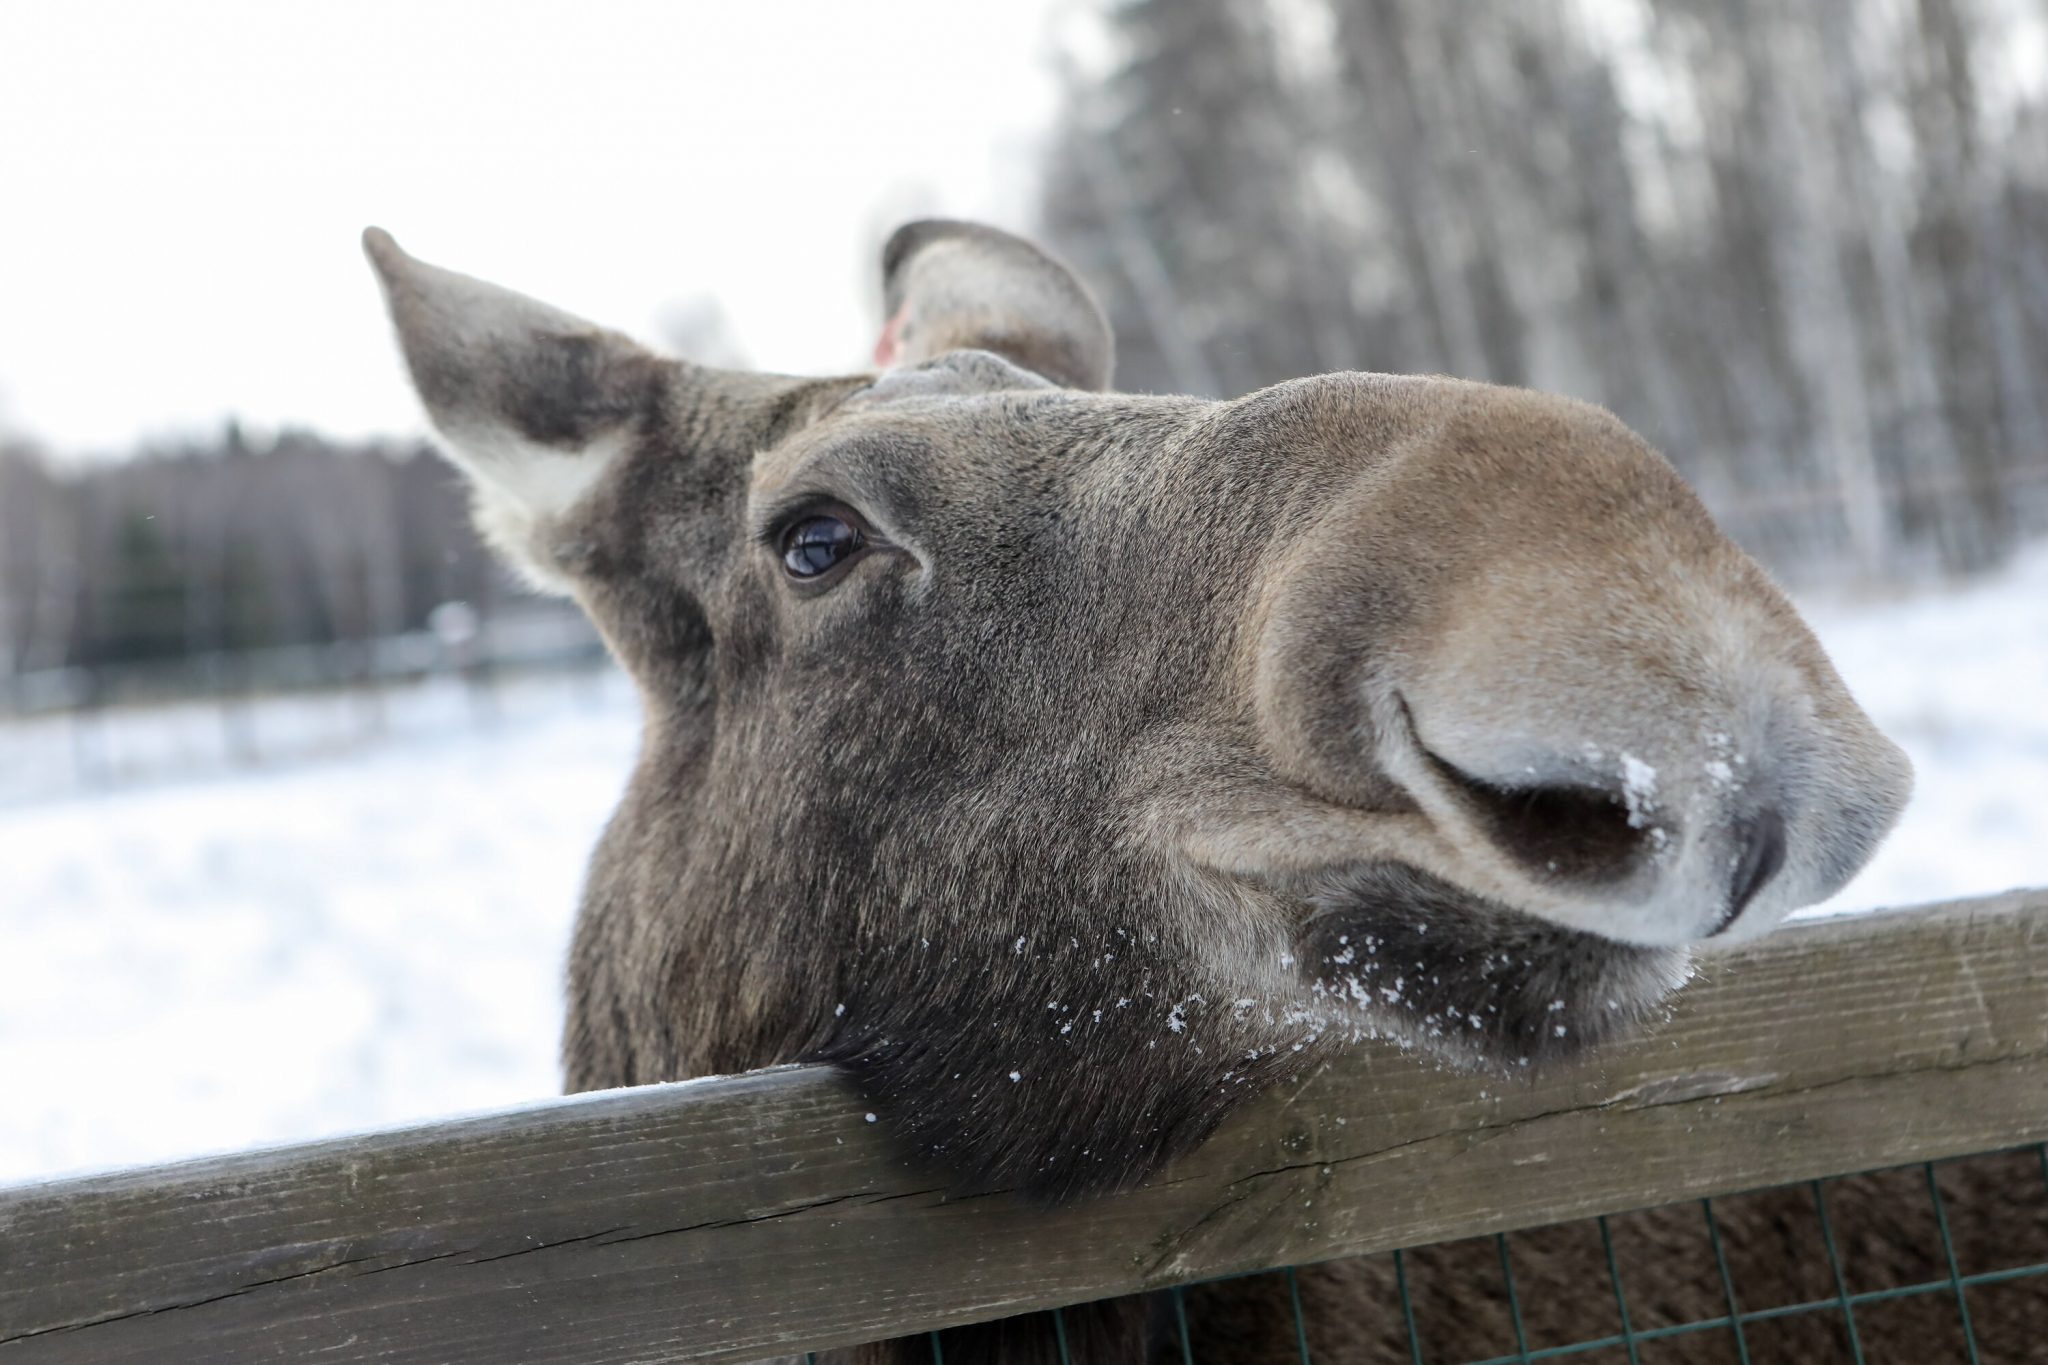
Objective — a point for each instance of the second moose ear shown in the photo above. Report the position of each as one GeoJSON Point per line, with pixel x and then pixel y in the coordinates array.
{"type": "Point", "coordinates": [951, 286]}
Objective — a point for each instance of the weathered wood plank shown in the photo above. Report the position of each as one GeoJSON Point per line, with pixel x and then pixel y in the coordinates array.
{"type": "Point", "coordinates": [735, 1218]}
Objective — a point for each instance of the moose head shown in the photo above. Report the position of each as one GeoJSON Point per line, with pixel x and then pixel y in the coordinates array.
{"type": "Point", "coordinates": [1066, 765]}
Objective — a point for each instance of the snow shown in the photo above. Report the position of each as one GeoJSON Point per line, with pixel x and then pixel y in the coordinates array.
{"type": "Point", "coordinates": [357, 938]}
{"type": "Point", "coordinates": [1638, 790]}
{"type": "Point", "coordinates": [278, 954]}
{"type": "Point", "coordinates": [1960, 680]}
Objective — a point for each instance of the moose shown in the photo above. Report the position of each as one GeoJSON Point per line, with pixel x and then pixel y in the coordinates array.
{"type": "Point", "coordinates": [1066, 766]}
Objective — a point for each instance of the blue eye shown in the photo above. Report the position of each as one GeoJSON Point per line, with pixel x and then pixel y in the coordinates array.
{"type": "Point", "coordinates": [816, 544]}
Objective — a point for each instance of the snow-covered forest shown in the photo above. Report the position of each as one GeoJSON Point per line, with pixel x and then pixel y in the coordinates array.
{"type": "Point", "coordinates": [1802, 245]}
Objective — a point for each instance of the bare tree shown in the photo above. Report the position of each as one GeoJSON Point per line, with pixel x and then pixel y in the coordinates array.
{"type": "Point", "coordinates": [1787, 238]}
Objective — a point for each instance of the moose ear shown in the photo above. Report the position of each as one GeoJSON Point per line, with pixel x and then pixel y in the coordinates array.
{"type": "Point", "coordinates": [530, 402]}
{"type": "Point", "coordinates": [952, 286]}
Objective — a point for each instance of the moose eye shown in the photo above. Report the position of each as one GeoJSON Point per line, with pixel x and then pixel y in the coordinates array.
{"type": "Point", "coordinates": [815, 544]}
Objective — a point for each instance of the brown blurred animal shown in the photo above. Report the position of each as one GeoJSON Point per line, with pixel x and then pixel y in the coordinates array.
{"type": "Point", "coordinates": [1063, 765]}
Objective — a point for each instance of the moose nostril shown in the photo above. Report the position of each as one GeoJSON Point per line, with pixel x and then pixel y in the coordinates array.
{"type": "Point", "coordinates": [1763, 853]}
{"type": "Point", "coordinates": [1563, 832]}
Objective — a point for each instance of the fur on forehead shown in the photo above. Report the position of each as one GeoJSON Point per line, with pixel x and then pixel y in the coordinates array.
{"type": "Point", "coordinates": [893, 436]}
{"type": "Point", "coordinates": [952, 374]}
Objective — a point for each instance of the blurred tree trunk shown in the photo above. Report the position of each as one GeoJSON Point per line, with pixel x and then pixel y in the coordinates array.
{"type": "Point", "coordinates": [1781, 237]}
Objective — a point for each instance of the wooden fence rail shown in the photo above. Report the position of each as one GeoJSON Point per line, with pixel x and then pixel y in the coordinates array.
{"type": "Point", "coordinates": [754, 1215]}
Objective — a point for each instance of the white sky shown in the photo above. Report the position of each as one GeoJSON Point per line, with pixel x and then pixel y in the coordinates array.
{"type": "Point", "coordinates": [182, 184]}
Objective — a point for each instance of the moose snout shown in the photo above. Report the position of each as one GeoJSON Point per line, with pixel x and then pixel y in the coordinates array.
{"type": "Point", "coordinates": [1603, 836]}
{"type": "Point", "coordinates": [1655, 801]}
{"type": "Point", "coordinates": [1650, 815]}
{"type": "Point", "coordinates": [1516, 649]}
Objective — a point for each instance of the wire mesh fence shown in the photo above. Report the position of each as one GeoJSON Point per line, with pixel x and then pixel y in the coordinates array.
{"type": "Point", "coordinates": [1933, 1262]}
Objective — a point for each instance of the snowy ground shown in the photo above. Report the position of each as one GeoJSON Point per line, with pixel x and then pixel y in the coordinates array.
{"type": "Point", "coordinates": [201, 964]}
{"type": "Point", "coordinates": [1960, 680]}
{"type": "Point", "coordinates": [211, 964]}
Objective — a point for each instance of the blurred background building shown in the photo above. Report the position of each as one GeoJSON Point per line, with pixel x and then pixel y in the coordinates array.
{"type": "Point", "coordinates": [295, 784]}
